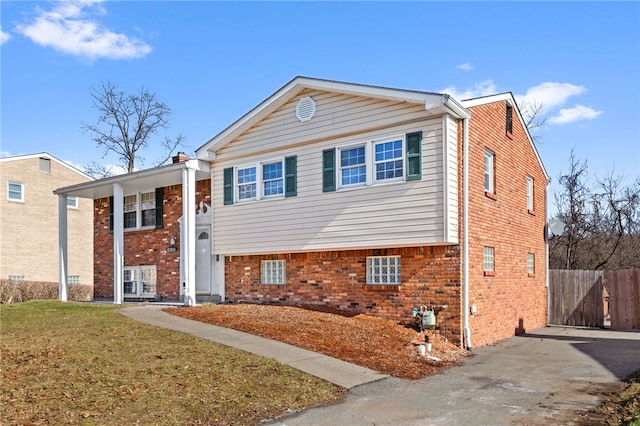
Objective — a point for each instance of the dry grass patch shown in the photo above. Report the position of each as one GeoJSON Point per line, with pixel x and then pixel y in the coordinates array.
{"type": "Point", "coordinates": [73, 363]}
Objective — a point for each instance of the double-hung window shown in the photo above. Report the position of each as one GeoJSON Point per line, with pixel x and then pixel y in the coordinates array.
{"type": "Point", "coordinates": [140, 280]}
{"type": "Point", "coordinates": [353, 168]}
{"type": "Point", "coordinates": [15, 191]}
{"type": "Point", "coordinates": [390, 159]}
{"type": "Point", "coordinates": [489, 181]}
{"type": "Point", "coordinates": [142, 210]}
{"type": "Point", "coordinates": [266, 179]}
{"type": "Point", "coordinates": [384, 270]}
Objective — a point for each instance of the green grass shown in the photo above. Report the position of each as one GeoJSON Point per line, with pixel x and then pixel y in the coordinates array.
{"type": "Point", "coordinates": [74, 363]}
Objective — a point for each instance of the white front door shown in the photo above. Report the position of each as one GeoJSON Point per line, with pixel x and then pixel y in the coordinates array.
{"type": "Point", "coordinates": [203, 260]}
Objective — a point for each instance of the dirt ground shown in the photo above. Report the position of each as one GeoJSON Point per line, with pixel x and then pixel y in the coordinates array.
{"type": "Point", "coordinates": [379, 344]}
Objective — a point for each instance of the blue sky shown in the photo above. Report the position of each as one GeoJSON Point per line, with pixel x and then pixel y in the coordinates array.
{"type": "Point", "coordinates": [211, 62]}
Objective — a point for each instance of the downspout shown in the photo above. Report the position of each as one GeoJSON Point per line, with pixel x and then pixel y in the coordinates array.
{"type": "Point", "coordinates": [465, 235]}
{"type": "Point", "coordinates": [546, 248]}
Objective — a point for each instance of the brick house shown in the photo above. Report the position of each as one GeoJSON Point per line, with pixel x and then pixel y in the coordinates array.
{"type": "Point", "coordinates": [29, 220]}
{"type": "Point", "coordinates": [348, 197]}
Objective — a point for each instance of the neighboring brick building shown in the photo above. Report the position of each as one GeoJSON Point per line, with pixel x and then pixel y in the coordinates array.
{"type": "Point", "coordinates": [351, 198]}
{"type": "Point", "coordinates": [29, 220]}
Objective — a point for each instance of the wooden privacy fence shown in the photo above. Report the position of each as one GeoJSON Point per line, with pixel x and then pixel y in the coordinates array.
{"type": "Point", "coordinates": [577, 299]}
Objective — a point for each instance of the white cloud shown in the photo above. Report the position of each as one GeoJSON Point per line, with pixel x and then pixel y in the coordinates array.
{"type": "Point", "coordinates": [4, 37]}
{"type": "Point", "coordinates": [577, 113]}
{"type": "Point", "coordinates": [550, 94]}
{"type": "Point", "coordinates": [484, 88]}
{"type": "Point", "coordinates": [465, 67]}
{"type": "Point", "coordinates": [68, 28]}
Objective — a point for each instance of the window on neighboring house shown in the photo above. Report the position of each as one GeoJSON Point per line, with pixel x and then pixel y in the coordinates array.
{"type": "Point", "coordinates": [44, 165]}
{"type": "Point", "coordinates": [73, 279]}
{"type": "Point", "coordinates": [383, 270]}
{"type": "Point", "coordinates": [531, 263]}
{"type": "Point", "coordinates": [530, 193]}
{"type": "Point", "coordinates": [276, 179]}
{"type": "Point", "coordinates": [489, 183]}
{"type": "Point", "coordinates": [489, 261]}
{"type": "Point", "coordinates": [509, 119]}
{"type": "Point", "coordinates": [375, 161]}
{"type": "Point", "coordinates": [273, 272]}
{"type": "Point", "coordinates": [16, 277]}
{"type": "Point", "coordinates": [72, 202]}
{"type": "Point", "coordinates": [140, 280]}
{"type": "Point", "coordinates": [15, 191]}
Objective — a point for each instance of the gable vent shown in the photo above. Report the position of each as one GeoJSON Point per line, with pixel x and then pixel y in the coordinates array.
{"type": "Point", "coordinates": [305, 109]}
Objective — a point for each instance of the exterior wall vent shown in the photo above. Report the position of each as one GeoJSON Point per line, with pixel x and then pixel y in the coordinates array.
{"type": "Point", "coordinates": [305, 109]}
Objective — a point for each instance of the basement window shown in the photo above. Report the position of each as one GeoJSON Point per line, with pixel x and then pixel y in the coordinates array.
{"type": "Point", "coordinates": [384, 270]}
{"type": "Point", "coordinates": [273, 272]}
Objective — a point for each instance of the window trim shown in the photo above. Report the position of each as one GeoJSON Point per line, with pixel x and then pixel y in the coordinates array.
{"type": "Point", "coordinates": [139, 211]}
{"type": "Point", "coordinates": [259, 182]}
{"type": "Point", "coordinates": [269, 272]}
{"type": "Point", "coordinates": [138, 279]}
{"type": "Point", "coordinates": [74, 204]}
{"type": "Point", "coordinates": [489, 261]}
{"type": "Point", "coordinates": [531, 264]}
{"type": "Point", "coordinates": [490, 171]}
{"type": "Point", "coordinates": [394, 279]}
{"type": "Point", "coordinates": [9, 191]}
{"type": "Point", "coordinates": [530, 193]}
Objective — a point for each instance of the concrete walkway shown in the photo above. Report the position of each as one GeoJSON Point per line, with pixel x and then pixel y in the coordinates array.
{"type": "Point", "coordinates": [330, 369]}
{"type": "Point", "coordinates": [549, 376]}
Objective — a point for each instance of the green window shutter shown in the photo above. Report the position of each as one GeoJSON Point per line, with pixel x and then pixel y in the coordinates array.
{"type": "Point", "coordinates": [290, 176]}
{"type": "Point", "coordinates": [228, 186]}
{"type": "Point", "coordinates": [111, 214]}
{"type": "Point", "coordinates": [159, 206]}
{"type": "Point", "coordinates": [414, 156]}
{"type": "Point", "coordinates": [328, 170]}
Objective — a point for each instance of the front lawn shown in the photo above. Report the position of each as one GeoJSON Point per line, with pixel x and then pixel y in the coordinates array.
{"type": "Point", "coordinates": [79, 363]}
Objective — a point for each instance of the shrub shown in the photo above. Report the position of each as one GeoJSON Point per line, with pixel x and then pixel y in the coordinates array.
{"type": "Point", "coordinates": [22, 291]}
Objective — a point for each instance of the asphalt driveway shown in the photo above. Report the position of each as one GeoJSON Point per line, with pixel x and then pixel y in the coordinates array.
{"type": "Point", "coordinates": [546, 377]}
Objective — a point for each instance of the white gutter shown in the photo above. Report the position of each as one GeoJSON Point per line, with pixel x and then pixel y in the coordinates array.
{"type": "Point", "coordinates": [466, 332]}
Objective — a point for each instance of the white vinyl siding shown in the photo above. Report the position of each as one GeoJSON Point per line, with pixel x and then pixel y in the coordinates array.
{"type": "Point", "coordinates": [398, 214]}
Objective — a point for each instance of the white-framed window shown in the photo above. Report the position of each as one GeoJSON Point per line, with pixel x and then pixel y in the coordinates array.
{"type": "Point", "coordinates": [246, 189]}
{"type": "Point", "coordinates": [16, 277]}
{"type": "Point", "coordinates": [73, 279]}
{"type": "Point", "coordinates": [140, 210]}
{"type": "Point", "coordinates": [272, 179]}
{"type": "Point", "coordinates": [273, 272]}
{"type": "Point", "coordinates": [375, 161]}
{"type": "Point", "coordinates": [353, 166]}
{"type": "Point", "coordinates": [72, 202]}
{"type": "Point", "coordinates": [531, 263]}
{"type": "Point", "coordinates": [383, 270]}
{"type": "Point", "coordinates": [530, 193]}
{"type": "Point", "coordinates": [489, 263]}
{"type": "Point", "coordinates": [140, 280]}
{"type": "Point", "coordinates": [15, 191]}
{"type": "Point", "coordinates": [489, 181]}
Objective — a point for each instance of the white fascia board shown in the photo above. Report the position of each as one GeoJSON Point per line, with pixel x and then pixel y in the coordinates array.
{"type": "Point", "coordinates": [508, 97]}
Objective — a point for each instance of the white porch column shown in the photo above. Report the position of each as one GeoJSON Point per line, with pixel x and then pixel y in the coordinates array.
{"type": "Point", "coordinates": [62, 248]}
{"type": "Point", "coordinates": [118, 243]}
{"type": "Point", "coordinates": [189, 238]}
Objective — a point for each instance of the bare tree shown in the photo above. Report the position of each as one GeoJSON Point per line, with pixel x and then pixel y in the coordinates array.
{"type": "Point", "coordinates": [126, 123]}
{"type": "Point", "coordinates": [532, 115]}
{"type": "Point", "coordinates": [602, 220]}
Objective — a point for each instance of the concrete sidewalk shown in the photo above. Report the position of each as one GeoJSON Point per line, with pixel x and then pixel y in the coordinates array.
{"type": "Point", "coordinates": [330, 369]}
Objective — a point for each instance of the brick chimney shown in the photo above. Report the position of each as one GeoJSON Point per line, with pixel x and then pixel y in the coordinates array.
{"type": "Point", "coordinates": [181, 157]}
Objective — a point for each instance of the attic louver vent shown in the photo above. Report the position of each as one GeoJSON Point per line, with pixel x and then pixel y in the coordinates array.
{"type": "Point", "coordinates": [305, 109]}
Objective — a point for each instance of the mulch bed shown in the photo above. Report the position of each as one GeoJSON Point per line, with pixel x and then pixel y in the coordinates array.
{"type": "Point", "coordinates": [379, 344]}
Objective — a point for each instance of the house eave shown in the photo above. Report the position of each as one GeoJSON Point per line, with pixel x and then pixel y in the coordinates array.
{"type": "Point", "coordinates": [142, 180]}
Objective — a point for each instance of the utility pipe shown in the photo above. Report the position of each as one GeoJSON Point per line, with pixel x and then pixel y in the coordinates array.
{"type": "Point", "coordinates": [465, 232]}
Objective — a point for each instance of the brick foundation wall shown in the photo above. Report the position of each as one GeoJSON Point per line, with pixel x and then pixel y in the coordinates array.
{"type": "Point", "coordinates": [336, 281]}
{"type": "Point", "coordinates": [510, 301]}
{"type": "Point", "coordinates": [144, 247]}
